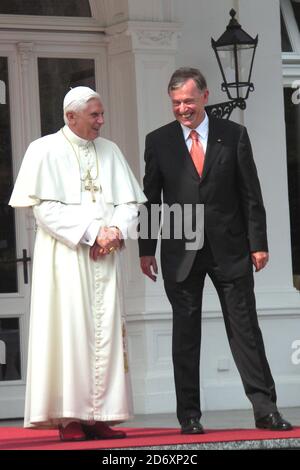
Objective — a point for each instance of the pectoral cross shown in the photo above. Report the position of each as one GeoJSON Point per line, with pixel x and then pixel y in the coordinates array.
{"type": "Point", "coordinates": [90, 186]}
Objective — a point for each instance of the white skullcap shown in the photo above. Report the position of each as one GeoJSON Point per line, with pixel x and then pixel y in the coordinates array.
{"type": "Point", "coordinates": [78, 93]}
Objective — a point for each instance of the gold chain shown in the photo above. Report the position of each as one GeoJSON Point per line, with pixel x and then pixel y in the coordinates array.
{"type": "Point", "coordinates": [88, 173]}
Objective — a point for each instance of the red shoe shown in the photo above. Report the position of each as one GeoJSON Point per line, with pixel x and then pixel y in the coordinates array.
{"type": "Point", "coordinates": [100, 430]}
{"type": "Point", "coordinates": [72, 432]}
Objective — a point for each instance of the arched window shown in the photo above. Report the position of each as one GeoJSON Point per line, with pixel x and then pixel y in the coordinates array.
{"type": "Point", "coordinates": [79, 8]}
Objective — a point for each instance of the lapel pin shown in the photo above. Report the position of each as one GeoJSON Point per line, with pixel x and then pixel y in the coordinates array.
{"type": "Point", "coordinates": [219, 140]}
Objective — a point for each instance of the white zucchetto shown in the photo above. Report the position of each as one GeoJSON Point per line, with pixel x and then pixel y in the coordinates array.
{"type": "Point", "coordinates": [78, 93]}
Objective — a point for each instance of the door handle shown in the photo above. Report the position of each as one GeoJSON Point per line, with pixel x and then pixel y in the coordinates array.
{"type": "Point", "coordinates": [25, 259]}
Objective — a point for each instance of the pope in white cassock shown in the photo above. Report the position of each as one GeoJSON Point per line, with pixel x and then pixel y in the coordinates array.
{"type": "Point", "coordinates": [85, 199]}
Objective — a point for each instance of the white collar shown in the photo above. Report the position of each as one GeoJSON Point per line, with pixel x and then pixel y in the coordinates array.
{"type": "Point", "coordinates": [202, 129]}
{"type": "Point", "coordinates": [74, 138]}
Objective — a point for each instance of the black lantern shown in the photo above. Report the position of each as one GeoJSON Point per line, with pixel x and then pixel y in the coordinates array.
{"type": "Point", "coordinates": [235, 51]}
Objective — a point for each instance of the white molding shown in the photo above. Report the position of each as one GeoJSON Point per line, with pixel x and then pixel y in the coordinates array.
{"type": "Point", "coordinates": [154, 402]}
{"type": "Point", "coordinates": [11, 407]}
{"type": "Point", "coordinates": [215, 395]}
{"type": "Point", "coordinates": [291, 68]}
{"type": "Point", "coordinates": [278, 298]}
{"type": "Point", "coordinates": [273, 302]}
{"type": "Point", "coordinates": [166, 315]}
{"type": "Point", "coordinates": [50, 23]}
{"type": "Point", "coordinates": [149, 340]}
{"type": "Point", "coordinates": [98, 11]}
{"type": "Point", "coordinates": [143, 36]}
{"type": "Point", "coordinates": [229, 394]}
{"type": "Point", "coordinates": [111, 12]}
{"type": "Point", "coordinates": [52, 38]}
{"type": "Point", "coordinates": [290, 58]}
{"type": "Point", "coordinates": [104, 13]}
{"type": "Point", "coordinates": [25, 50]}
{"type": "Point", "coordinates": [29, 98]}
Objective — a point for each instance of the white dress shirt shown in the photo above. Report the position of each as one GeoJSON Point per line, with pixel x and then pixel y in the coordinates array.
{"type": "Point", "coordinates": [202, 131]}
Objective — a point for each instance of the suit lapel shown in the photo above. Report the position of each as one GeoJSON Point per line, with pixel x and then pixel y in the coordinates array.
{"type": "Point", "coordinates": [180, 150]}
{"type": "Point", "coordinates": [214, 144]}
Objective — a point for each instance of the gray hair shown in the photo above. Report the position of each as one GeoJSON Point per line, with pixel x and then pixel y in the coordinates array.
{"type": "Point", "coordinates": [78, 105]}
{"type": "Point", "coordinates": [183, 74]}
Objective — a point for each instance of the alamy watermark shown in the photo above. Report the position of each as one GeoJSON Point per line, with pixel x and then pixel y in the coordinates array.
{"type": "Point", "coordinates": [296, 93]}
{"type": "Point", "coordinates": [170, 222]}
{"type": "Point", "coordinates": [296, 354]}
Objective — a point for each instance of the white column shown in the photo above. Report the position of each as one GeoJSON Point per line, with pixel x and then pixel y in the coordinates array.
{"type": "Point", "coordinates": [29, 95]}
{"type": "Point", "coordinates": [28, 109]}
{"type": "Point", "coordinates": [141, 59]}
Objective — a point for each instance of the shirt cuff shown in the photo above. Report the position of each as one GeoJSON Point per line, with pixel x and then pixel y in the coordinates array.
{"type": "Point", "coordinates": [91, 233]}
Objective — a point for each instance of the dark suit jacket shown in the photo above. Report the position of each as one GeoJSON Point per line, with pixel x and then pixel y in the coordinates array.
{"type": "Point", "coordinates": [234, 215]}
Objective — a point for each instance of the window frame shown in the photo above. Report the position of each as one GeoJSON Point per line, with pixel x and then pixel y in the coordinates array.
{"type": "Point", "coordinates": [96, 23]}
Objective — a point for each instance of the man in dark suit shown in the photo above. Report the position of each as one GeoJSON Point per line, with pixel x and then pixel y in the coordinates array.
{"type": "Point", "coordinates": [213, 166]}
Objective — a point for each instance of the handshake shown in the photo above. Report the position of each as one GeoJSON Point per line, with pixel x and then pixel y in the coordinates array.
{"type": "Point", "coordinates": [109, 239]}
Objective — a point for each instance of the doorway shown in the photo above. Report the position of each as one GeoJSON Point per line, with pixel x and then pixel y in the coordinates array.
{"type": "Point", "coordinates": [34, 77]}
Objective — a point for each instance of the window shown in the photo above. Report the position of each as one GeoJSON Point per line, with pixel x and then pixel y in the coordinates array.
{"type": "Point", "coordinates": [10, 352]}
{"type": "Point", "coordinates": [292, 122]}
{"type": "Point", "coordinates": [73, 8]}
{"type": "Point", "coordinates": [290, 40]}
{"type": "Point", "coordinates": [296, 9]}
{"type": "Point", "coordinates": [8, 271]}
{"type": "Point", "coordinates": [56, 77]}
{"type": "Point", "coordinates": [285, 40]}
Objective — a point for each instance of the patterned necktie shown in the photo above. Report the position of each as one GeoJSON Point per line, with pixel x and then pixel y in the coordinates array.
{"type": "Point", "coordinates": [197, 152]}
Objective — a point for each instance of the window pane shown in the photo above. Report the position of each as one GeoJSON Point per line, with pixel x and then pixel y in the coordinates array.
{"type": "Point", "coordinates": [296, 8]}
{"type": "Point", "coordinates": [285, 40]}
{"type": "Point", "coordinates": [8, 269]}
{"type": "Point", "coordinates": [292, 121]}
{"type": "Point", "coordinates": [46, 7]}
{"type": "Point", "coordinates": [56, 77]}
{"type": "Point", "coordinates": [10, 355]}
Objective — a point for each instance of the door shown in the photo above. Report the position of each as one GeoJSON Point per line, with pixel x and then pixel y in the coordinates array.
{"type": "Point", "coordinates": [15, 257]}
{"type": "Point", "coordinates": [34, 77]}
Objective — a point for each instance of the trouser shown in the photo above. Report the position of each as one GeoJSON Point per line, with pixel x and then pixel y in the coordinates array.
{"type": "Point", "coordinates": [244, 335]}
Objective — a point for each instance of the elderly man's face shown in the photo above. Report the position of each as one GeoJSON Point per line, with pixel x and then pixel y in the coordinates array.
{"type": "Point", "coordinates": [86, 123]}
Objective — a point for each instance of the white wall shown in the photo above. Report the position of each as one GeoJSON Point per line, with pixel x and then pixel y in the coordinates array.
{"type": "Point", "coordinates": [143, 48]}
{"type": "Point", "coordinates": [202, 20]}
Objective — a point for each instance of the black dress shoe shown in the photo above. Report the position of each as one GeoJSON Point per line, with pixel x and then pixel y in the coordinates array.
{"type": "Point", "coordinates": [274, 422]}
{"type": "Point", "coordinates": [192, 426]}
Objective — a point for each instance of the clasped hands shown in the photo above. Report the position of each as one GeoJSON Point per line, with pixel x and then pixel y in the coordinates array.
{"type": "Point", "coordinates": [108, 240]}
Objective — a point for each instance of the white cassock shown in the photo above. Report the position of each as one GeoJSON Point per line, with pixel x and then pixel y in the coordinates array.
{"type": "Point", "coordinates": [77, 359]}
